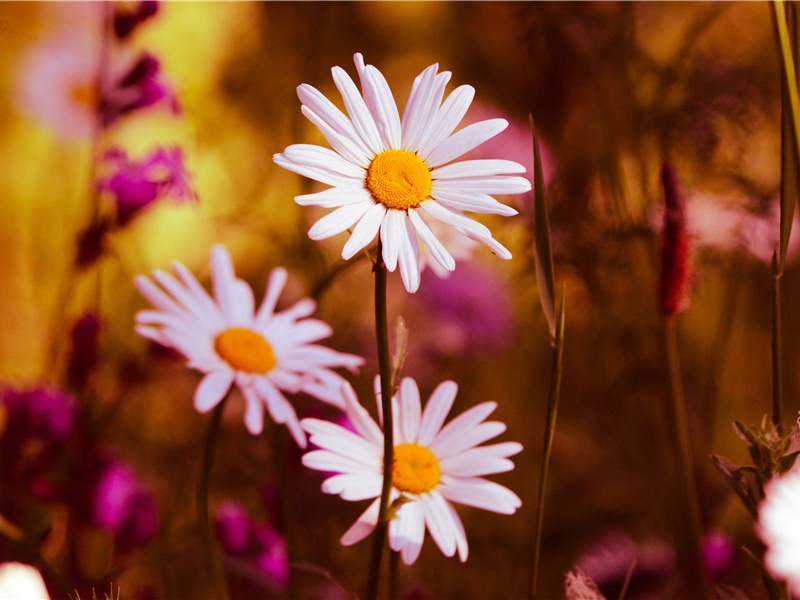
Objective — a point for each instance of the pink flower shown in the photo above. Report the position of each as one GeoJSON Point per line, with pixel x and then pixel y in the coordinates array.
{"type": "Point", "coordinates": [135, 184]}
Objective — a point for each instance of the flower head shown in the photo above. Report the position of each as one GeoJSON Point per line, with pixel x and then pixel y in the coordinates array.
{"type": "Point", "coordinates": [675, 276]}
{"type": "Point", "coordinates": [434, 466]}
{"type": "Point", "coordinates": [263, 352]}
{"type": "Point", "coordinates": [135, 184]}
{"type": "Point", "coordinates": [779, 527]}
{"type": "Point", "coordinates": [393, 176]}
{"type": "Point", "coordinates": [124, 506]}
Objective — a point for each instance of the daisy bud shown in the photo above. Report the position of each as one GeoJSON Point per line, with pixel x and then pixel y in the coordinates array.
{"type": "Point", "coordinates": [675, 276]}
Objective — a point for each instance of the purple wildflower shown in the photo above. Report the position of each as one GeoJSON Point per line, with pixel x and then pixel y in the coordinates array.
{"type": "Point", "coordinates": [135, 184]}
{"type": "Point", "coordinates": [127, 19]}
{"type": "Point", "coordinates": [124, 506]}
{"type": "Point", "coordinates": [140, 87]}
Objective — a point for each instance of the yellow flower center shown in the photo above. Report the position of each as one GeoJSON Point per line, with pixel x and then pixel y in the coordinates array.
{"type": "Point", "coordinates": [415, 469]}
{"type": "Point", "coordinates": [399, 179]}
{"type": "Point", "coordinates": [245, 350]}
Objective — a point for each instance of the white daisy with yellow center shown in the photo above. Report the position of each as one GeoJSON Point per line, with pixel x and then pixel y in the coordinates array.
{"type": "Point", "coordinates": [435, 465]}
{"type": "Point", "coordinates": [397, 176]}
{"type": "Point", "coordinates": [263, 352]}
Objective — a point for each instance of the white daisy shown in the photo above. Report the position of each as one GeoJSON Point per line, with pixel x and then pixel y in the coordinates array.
{"type": "Point", "coordinates": [434, 466]}
{"type": "Point", "coordinates": [262, 352]}
{"type": "Point", "coordinates": [779, 527]}
{"type": "Point", "coordinates": [392, 175]}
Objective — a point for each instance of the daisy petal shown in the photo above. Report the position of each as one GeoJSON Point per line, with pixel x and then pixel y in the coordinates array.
{"type": "Point", "coordinates": [436, 411]}
{"type": "Point", "coordinates": [363, 526]}
{"type": "Point", "coordinates": [357, 109]}
{"type": "Point", "coordinates": [409, 413]}
{"type": "Point", "coordinates": [473, 201]}
{"type": "Point", "coordinates": [211, 390]}
{"type": "Point", "coordinates": [425, 94]}
{"type": "Point", "coordinates": [408, 258]}
{"type": "Point", "coordinates": [462, 141]}
{"type": "Point", "coordinates": [339, 220]}
{"type": "Point", "coordinates": [365, 231]}
{"type": "Point", "coordinates": [437, 250]}
{"type": "Point", "coordinates": [439, 522]}
{"type": "Point", "coordinates": [480, 493]}
{"type": "Point", "coordinates": [334, 197]}
{"type": "Point", "coordinates": [459, 426]}
{"type": "Point", "coordinates": [447, 118]}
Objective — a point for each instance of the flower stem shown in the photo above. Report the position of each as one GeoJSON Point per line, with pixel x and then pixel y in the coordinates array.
{"type": "Point", "coordinates": [549, 434]}
{"type": "Point", "coordinates": [213, 564]}
{"type": "Point", "coordinates": [777, 388]}
{"type": "Point", "coordinates": [384, 367]}
{"type": "Point", "coordinates": [692, 551]}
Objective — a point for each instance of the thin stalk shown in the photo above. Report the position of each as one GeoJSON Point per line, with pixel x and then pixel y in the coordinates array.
{"type": "Point", "coordinates": [394, 575]}
{"type": "Point", "coordinates": [777, 346]}
{"type": "Point", "coordinates": [213, 564]}
{"type": "Point", "coordinates": [693, 552]}
{"type": "Point", "coordinates": [549, 434]}
{"type": "Point", "coordinates": [385, 369]}
{"type": "Point", "coordinates": [286, 500]}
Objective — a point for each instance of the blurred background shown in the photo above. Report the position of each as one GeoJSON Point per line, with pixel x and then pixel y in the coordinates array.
{"type": "Point", "coordinates": [615, 89]}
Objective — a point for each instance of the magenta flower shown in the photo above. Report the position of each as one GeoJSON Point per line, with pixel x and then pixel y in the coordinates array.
{"type": "Point", "coordinates": [135, 184]}
{"type": "Point", "coordinates": [141, 86]}
{"type": "Point", "coordinates": [127, 18]}
{"type": "Point", "coordinates": [124, 506]}
{"type": "Point", "coordinates": [240, 536]}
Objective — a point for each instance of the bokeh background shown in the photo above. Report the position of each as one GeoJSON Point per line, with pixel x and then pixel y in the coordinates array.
{"type": "Point", "coordinates": [615, 89]}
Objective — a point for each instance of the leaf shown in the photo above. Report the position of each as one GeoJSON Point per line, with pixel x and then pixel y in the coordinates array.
{"type": "Point", "coordinates": [737, 481]}
{"type": "Point", "coordinates": [400, 346]}
{"type": "Point", "coordinates": [790, 129]}
{"type": "Point", "coordinates": [542, 246]}
{"type": "Point", "coordinates": [786, 462]}
{"type": "Point", "coordinates": [745, 434]}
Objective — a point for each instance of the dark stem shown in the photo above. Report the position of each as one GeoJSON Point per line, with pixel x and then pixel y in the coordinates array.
{"type": "Point", "coordinates": [394, 575]}
{"type": "Point", "coordinates": [777, 353]}
{"type": "Point", "coordinates": [385, 369]}
{"type": "Point", "coordinates": [549, 434]}
{"type": "Point", "coordinates": [286, 501]}
{"type": "Point", "coordinates": [692, 551]}
{"type": "Point", "coordinates": [213, 564]}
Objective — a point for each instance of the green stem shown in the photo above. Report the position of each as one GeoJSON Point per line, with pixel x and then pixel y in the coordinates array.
{"type": "Point", "coordinates": [385, 369]}
{"type": "Point", "coordinates": [692, 552]}
{"type": "Point", "coordinates": [549, 434]}
{"type": "Point", "coordinates": [213, 564]}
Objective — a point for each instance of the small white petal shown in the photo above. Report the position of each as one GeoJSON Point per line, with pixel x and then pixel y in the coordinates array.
{"type": "Point", "coordinates": [357, 109]}
{"type": "Point", "coordinates": [409, 413]}
{"type": "Point", "coordinates": [339, 220]}
{"type": "Point", "coordinates": [447, 118]}
{"type": "Point", "coordinates": [212, 389]}
{"type": "Point", "coordinates": [436, 411]}
{"type": "Point", "coordinates": [462, 141]}
{"type": "Point", "coordinates": [473, 201]}
{"type": "Point", "coordinates": [480, 493]}
{"type": "Point", "coordinates": [365, 231]}
{"type": "Point", "coordinates": [324, 159]}
{"type": "Point", "coordinates": [335, 197]}
{"type": "Point", "coordinates": [437, 250]}
{"type": "Point", "coordinates": [408, 258]}
{"type": "Point", "coordinates": [462, 424]}
{"type": "Point", "coordinates": [438, 522]}
{"type": "Point", "coordinates": [445, 215]}
{"type": "Point", "coordinates": [363, 526]}
{"type": "Point", "coordinates": [477, 168]}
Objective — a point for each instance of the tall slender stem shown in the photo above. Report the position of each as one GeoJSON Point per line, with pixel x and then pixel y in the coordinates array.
{"type": "Point", "coordinates": [777, 387]}
{"type": "Point", "coordinates": [549, 434]}
{"type": "Point", "coordinates": [385, 369]}
{"type": "Point", "coordinates": [213, 565]}
{"type": "Point", "coordinates": [696, 580]}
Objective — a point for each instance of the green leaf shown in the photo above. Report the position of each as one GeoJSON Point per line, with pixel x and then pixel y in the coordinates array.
{"type": "Point", "coordinates": [542, 247]}
{"type": "Point", "coordinates": [790, 124]}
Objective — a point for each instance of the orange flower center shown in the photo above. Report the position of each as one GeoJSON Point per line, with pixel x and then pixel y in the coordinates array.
{"type": "Point", "coordinates": [399, 179]}
{"type": "Point", "coordinates": [245, 350]}
{"type": "Point", "coordinates": [415, 469]}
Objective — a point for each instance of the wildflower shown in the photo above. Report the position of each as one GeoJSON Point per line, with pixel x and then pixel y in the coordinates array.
{"type": "Point", "coordinates": [21, 582]}
{"type": "Point", "coordinates": [138, 86]}
{"type": "Point", "coordinates": [779, 528]}
{"type": "Point", "coordinates": [135, 184]}
{"type": "Point", "coordinates": [240, 536]}
{"type": "Point", "coordinates": [263, 352]}
{"type": "Point", "coordinates": [127, 17]}
{"type": "Point", "coordinates": [434, 466]}
{"type": "Point", "coordinates": [393, 176]}
{"type": "Point", "coordinates": [675, 276]}
{"type": "Point", "coordinates": [124, 506]}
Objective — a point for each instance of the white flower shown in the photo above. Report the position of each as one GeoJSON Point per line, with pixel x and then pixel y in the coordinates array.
{"type": "Point", "coordinates": [396, 176]}
{"type": "Point", "coordinates": [262, 352]}
{"type": "Point", "coordinates": [21, 582]}
{"type": "Point", "coordinates": [434, 466]}
{"type": "Point", "coordinates": [779, 527]}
